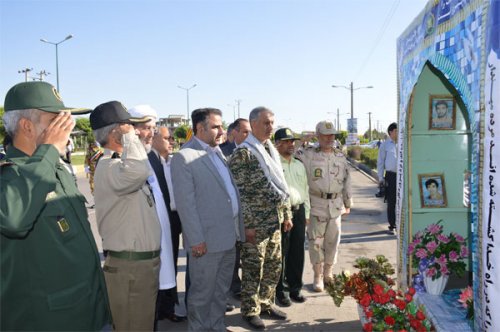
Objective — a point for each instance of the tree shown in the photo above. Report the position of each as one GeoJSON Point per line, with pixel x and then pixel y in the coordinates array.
{"type": "Point", "coordinates": [180, 132]}
{"type": "Point", "coordinates": [83, 124]}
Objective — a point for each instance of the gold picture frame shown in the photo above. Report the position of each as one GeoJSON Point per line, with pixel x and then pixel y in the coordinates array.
{"type": "Point", "coordinates": [432, 190]}
{"type": "Point", "coordinates": [442, 112]}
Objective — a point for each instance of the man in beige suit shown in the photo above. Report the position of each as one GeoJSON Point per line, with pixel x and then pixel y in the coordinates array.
{"type": "Point", "coordinates": [127, 219]}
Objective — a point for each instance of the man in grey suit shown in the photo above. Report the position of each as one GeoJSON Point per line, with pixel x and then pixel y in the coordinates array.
{"type": "Point", "coordinates": [208, 204]}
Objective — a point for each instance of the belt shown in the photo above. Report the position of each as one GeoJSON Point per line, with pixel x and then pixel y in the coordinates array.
{"type": "Point", "coordinates": [328, 195]}
{"type": "Point", "coordinates": [134, 255]}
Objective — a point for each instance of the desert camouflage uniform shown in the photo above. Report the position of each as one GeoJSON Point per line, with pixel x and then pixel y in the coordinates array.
{"type": "Point", "coordinates": [264, 211]}
{"type": "Point", "coordinates": [329, 191]}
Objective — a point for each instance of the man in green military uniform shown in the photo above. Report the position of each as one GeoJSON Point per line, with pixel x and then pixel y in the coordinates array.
{"type": "Point", "coordinates": [51, 277]}
{"type": "Point", "coordinates": [330, 194]}
{"type": "Point", "coordinates": [258, 173]}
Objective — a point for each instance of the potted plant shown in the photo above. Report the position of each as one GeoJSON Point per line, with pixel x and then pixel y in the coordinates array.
{"type": "Point", "coordinates": [380, 307]}
{"type": "Point", "coordinates": [438, 255]}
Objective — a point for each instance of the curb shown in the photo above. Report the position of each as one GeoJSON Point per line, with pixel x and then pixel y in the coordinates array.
{"type": "Point", "coordinates": [371, 174]}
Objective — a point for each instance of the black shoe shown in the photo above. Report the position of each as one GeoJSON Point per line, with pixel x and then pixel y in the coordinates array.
{"type": "Point", "coordinates": [275, 313]}
{"type": "Point", "coordinates": [255, 322]}
{"type": "Point", "coordinates": [297, 297]}
{"type": "Point", "coordinates": [174, 318]}
{"type": "Point", "coordinates": [284, 301]}
{"type": "Point", "coordinates": [230, 307]}
{"type": "Point", "coordinates": [391, 230]}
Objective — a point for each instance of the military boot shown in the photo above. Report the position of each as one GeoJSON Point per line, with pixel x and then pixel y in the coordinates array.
{"type": "Point", "coordinates": [327, 273]}
{"type": "Point", "coordinates": [318, 278]}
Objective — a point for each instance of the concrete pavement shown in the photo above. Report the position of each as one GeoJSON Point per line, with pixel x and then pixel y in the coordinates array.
{"type": "Point", "coordinates": [363, 234]}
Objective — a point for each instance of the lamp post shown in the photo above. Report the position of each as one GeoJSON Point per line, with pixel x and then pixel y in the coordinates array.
{"type": "Point", "coordinates": [234, 111]}
{"type": "Point", "coordinates": [351, 87]}
{"type": "Point", "coordinates": [187, 96]}
{"type": "Point", "coordinates": [57, 54]}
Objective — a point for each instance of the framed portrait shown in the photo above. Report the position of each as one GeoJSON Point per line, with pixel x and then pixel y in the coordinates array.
{"type": "Point", "coordinates": [432, 190]}
{"type": "Point", "coordinates": [442, 112]}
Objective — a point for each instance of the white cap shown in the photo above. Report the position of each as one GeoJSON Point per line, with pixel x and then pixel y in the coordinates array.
{"type": "Point", "coordinates": [143, 112]}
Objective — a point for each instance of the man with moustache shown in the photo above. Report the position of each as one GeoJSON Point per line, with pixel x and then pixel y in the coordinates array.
{"type": "Point", "coordinates": [167, 295]}
{"type": "Point", "coordinates": [257, 169]}
{"type": "Point", "coordinates": [330, 193]}
{"type": "Point", "coordinates": [127, 219]}
{"type": "Point", "coordinates": [292, 242]}
{"type": "Point", "coordinates": [208, 204]}
{"type": "Point", "coordinates": [51, 271]}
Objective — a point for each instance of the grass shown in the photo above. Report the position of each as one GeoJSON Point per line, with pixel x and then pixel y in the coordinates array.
{"type": "Point", "coordinates": [77, 159]}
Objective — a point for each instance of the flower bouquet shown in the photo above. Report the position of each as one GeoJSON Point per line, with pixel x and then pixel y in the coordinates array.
{"type": "Point", "coordinates": [388, 310]}
{"type": "Point", "coordinates": [382, 307]}
{"type": "Point", "coordinates": [441, 254]}
{"type": "Point", "coordinates": [467, 301]}
{"type": "Point", "coordinates": [361, 283]}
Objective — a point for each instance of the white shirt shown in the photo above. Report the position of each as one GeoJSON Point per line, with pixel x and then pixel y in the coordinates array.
{"type": "Point", "coordinates": [167, 270]}
{"type": "Point", "coordinates": [387, 158]}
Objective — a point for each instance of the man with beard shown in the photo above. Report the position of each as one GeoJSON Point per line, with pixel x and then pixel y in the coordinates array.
{"type": "Point", "coordinates": [51, 271]}
{"type": "Point", "coordinates": [208, 203]}
{"type": "Point", "coordinates": [257, 169]}
{"type": "Point", "coordinates": [292, 242]}
{"type": "Point", "coordinates": [127, 219]}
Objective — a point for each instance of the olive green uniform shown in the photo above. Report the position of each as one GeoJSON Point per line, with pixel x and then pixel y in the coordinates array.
{"type": "Point", "coordinates": [51, 277]}
{"type": "Point", "coordinates": [264, 211]}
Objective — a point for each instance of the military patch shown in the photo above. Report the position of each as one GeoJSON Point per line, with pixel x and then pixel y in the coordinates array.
{"type": "Point", "coordinates": [328, 125]}
{"type": "Point", "coordinates": [56, 94]}
{"type": "Point", "coordinates": [63, 225]}
{"type": "Point", "coordinates": [50, 196]}
{"type": "Point", "coordinates": [288, 132]}
{"type": "Point", "coordinates": [318, 173]}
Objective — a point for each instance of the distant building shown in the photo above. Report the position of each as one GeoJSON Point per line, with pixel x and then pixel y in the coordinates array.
{"type": "Point", "coordinates": [173, 121]}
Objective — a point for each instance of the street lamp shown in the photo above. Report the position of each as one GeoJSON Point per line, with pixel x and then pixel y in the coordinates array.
{"type": "Point", "coordinates": [234, 111]}
{"type": "Point", "coordinates": [187, 96]}
{"type": "Point", "coordinates": [350, 87]}
{"type": "Point", "coordinates": [57, 56]}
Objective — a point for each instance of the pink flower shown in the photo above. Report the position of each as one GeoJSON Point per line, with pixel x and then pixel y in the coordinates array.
{"type": "Point", "coordinates": [430, 272]}
{"type": "Point", "coordinates": [444, 269]}
{"type": "Point", "coordinates": [442, 260]}
{"type": "Point", "coordinates": [433, 229]}
{"type": "Point", "coordinates": [458, 237]}
{"type": "Point", "coordinates": [411, 248]}
{"type": "Point", "coordinates": [431, 246]}
{"type": "Point", "coordinates": [463, 251]}
{"type": "Point", "coordinates": [453, 256]}
{"type": "Point", "coordinates": [421, 253]}
{"type": "Point", "coordinates": [465, 296]}
{"type": "Point", "coordinates": [443, 238]}
{"type": "Point", "coordinates": [418, 236]}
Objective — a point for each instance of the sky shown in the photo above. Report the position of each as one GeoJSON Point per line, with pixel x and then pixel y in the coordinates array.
{"type": "Point", "coordinates": [284, 55]}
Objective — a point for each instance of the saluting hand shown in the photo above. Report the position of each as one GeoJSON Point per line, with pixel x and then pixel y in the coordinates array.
{"type": "Point", "coordinates": [57, 132]}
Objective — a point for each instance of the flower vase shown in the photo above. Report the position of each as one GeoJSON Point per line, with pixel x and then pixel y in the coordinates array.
{"type": "Point", "coordinates": [436, 286]}
{"type": "Point", "coordinates": [362, 316]}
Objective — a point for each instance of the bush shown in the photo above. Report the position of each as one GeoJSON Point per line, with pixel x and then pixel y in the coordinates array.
{"type": "Point", "coordinates": [369, 157]}
{"type": "Point", "coordinates": [354, 152]}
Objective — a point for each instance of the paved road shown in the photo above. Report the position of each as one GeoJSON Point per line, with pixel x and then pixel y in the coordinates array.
{"type": "Point", "coordinates": [363, 234]}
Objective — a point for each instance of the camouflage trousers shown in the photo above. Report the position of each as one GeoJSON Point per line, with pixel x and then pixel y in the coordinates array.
{"type": "Point", "coordinates": [324, 239]}
{"type": "Point", "coordinates": [261, 269]}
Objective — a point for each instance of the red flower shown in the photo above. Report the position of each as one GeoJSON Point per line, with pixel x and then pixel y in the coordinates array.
{"type": "Point", "coordinates": [369, 314]}
{"type": "Point", "coordinates": [384, 299]}
{"type": "Point", "coordinates": [420, 315]}
{"type": "Point", "coordinates": [368, 327]}
{"type": "Point", "coordinates": [415, 324]}
{"type": "Point", "coordinates": [411, 291]}
{"type": "Point", "coordinates": [391, 293]}
{"type": "Point", "coordinates": [408, 297]}
{"type": "Point", "coordinates": [366, 300]}
{"type": "Point", "coordinates": [378, 289]}
{"type": "Point", "coordinates": [400, 304]}
{"type": "Point", "coordinates": [389, 320]}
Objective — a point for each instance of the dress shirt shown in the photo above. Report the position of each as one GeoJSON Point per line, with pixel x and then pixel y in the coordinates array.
{"type": "Point", "coordinates": [296, 178]}
{"type": "Point", "coordinates": [387, 158]}
{"type": "Point", "coordinates": [218, 160]}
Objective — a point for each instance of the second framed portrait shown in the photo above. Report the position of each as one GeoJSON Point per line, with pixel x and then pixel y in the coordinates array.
{"type": "Point", "coordinates": [442, 112]}
{"type": "Point", "coordinates": [432, 190]}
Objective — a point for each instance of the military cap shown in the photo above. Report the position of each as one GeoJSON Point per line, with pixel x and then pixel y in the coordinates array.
{"type": "Point", "coordinates": [325, 128]}
{"type": "Point", "coordinates": [37, 95]}
{"type": "Point", "coordinates": [110, 113]}
{"type": "Point", "coordinates": [284, 134]}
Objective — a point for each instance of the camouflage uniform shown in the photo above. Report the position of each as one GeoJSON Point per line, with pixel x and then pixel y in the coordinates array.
{"type": "Point", "coordinates": [329, 191]}
{"type": "Point", "coordinates": [264, 211]}
{"type": "Point", "coordinates": [91, 158]}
